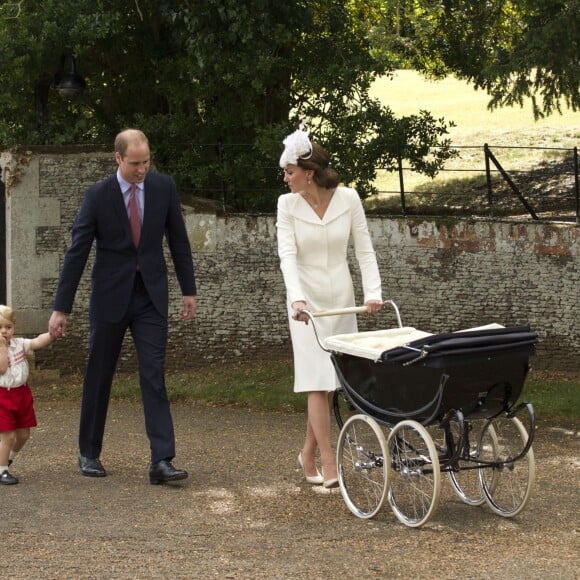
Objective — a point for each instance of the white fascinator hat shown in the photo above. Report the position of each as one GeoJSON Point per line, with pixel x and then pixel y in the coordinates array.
{"type": "Point", "coordinates": [296, 146]}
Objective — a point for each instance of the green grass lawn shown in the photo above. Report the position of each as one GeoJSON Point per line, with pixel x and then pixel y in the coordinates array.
{"type": "Point", "coordinates": [268, 387]}
{"type": "Point", "coordinates": [408, 93]}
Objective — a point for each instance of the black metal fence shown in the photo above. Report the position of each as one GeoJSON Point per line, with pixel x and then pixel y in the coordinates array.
{"type": "Point", "coordinates": [502, 182]}
{"type": "Point", "coordinates": [538, 183]}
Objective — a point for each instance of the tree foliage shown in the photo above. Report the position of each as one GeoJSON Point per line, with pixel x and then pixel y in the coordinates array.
{"type": "Point", "coordinates": [216, 84]}
{"type": "Point", "coordinates": [515, 50]}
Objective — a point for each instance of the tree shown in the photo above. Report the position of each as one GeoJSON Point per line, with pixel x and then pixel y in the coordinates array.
{"type": "Point", "coordinates": [515, 50]}
{"type": "Point", "coordinates": [215, 84]}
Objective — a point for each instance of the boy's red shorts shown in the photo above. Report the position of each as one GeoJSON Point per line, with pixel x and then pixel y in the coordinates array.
{"type": "Point", "coordinates": [16, 408]}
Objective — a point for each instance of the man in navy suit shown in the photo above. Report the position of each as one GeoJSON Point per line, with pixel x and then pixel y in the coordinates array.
{"type": "Point", "coordinates": [128, 214]}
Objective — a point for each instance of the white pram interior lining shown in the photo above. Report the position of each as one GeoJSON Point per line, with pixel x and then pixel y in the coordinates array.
{"type": "Point", "coordinates": [372, 344]}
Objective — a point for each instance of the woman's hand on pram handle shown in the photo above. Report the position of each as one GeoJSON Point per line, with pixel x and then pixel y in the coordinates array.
{"type": "Point", "coordinates": [373, 306]}
{"type": "Point", "coordinates": [299, 307]}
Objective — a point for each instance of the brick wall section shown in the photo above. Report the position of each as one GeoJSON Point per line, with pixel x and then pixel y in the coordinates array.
{"type": "Point", "coordinates": [450, 274]}
{"type": "Point", "coordinates": [444, 274]}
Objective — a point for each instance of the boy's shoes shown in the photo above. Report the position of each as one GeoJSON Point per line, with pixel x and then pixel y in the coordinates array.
{"type": "Point", "coordinates": [7, 479]}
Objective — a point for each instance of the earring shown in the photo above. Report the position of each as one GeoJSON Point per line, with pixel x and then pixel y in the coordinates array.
{"type": "Point", "coordinates": [309, 182]}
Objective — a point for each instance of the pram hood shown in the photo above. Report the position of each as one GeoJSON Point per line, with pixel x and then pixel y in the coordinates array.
{"type": "Point", "coordinates": [467, 342]}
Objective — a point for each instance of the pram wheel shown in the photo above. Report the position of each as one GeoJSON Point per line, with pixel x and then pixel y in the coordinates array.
{"type": "Point", "coordinates": [363, 465]}
{"type": "Point", "coordinates": [465, 481]}
{"type": "Point", "coordinates": [508, 484]}
{"type": "Point", "coordinates": [415, 476]}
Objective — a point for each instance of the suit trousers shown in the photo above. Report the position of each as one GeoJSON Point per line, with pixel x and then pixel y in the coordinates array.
{"type": "Point", "coordinates": [149, 332]}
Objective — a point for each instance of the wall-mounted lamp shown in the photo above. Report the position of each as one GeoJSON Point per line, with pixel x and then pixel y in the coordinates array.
{"type": "Point", "coordinates": [68, 84]}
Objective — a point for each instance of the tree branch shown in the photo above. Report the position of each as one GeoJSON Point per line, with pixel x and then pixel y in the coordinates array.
{"type": "Point", "coordinates": [18, 6]}
{"type": "Point", "coordinates": [138, 9]}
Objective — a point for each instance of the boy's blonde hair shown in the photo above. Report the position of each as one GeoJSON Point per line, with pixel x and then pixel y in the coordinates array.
{"type": "Point", "coordinates": [7, 313]}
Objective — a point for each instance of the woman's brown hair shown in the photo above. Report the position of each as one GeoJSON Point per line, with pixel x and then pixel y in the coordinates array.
{"type": "Point", "coordinates": [319, 162]}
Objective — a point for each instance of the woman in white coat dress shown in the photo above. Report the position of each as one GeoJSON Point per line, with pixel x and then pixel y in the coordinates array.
{"type": "Point", "coordinates": [314, 225]}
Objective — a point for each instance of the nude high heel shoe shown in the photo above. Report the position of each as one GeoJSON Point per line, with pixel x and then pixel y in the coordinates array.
{"type": "Point", "coordinates": [329, 483]}
{"type": "Point", "coordinates": [312, 479]}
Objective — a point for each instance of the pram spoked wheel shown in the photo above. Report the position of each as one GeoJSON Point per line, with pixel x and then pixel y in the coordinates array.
{"type": "Point", "coordinates": [363, 465]}
{"type": "Point", "coordinates": [415, 476]}
{"type": "Point", "coordinates": [465, 479]}
{"type": "Point", "coordinates": [509, 482]}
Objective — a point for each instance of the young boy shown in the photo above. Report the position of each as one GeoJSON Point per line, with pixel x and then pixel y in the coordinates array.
{"type": "Point", "coordinates": [16, 403]}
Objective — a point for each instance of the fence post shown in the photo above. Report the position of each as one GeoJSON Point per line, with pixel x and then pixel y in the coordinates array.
{"type": "Point", "coordinates": [488, 180]}
{"type": "Point", "coordinates": [401, 180]}
{"type": "Point", "coordinates": [510, 182]}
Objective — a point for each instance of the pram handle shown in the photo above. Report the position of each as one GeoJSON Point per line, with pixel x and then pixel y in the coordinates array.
{"type": "Point", "coordinates": [339, 311]}
{"type": "Point", "coordinates": [352, 310]}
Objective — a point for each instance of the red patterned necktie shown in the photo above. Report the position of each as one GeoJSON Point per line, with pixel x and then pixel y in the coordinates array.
{"type": "Point", "coordinates": [134, 216]}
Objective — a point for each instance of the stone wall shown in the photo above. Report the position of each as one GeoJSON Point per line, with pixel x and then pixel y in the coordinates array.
{"type": "Point", "coordinates": [444, 274]}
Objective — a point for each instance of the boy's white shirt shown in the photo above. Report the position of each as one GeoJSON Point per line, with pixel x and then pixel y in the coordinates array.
{"type": "Point", "coordinates": [17, 372]}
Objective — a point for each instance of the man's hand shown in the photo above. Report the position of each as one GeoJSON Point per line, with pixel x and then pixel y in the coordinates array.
{"type": "Point", "coordinates": [189, 307]}
{"type": "Point", "coordinates": [57, 324]}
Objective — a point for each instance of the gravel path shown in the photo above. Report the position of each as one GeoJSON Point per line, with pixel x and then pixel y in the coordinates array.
{"type": "Point", "coordinates": [245, 512]}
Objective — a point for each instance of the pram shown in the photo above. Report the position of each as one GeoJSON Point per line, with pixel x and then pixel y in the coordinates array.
{"type": "Point", "coordinates": [426, 404]}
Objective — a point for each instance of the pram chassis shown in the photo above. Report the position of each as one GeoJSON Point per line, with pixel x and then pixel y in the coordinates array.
{"type": "Point", "coordinates": [478, 435]}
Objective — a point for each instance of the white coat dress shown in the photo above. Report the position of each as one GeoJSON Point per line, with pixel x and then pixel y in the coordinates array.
{"type": "Point", "coordinates": [313, 260]}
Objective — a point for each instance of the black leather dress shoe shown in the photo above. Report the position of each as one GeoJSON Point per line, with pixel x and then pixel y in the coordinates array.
{"type": "Point", "coordinates": [163, 471]}
{"type": "Point", "coordinates": [91, 467]}
{"type": "Point", "coordinates": [7, 478]}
